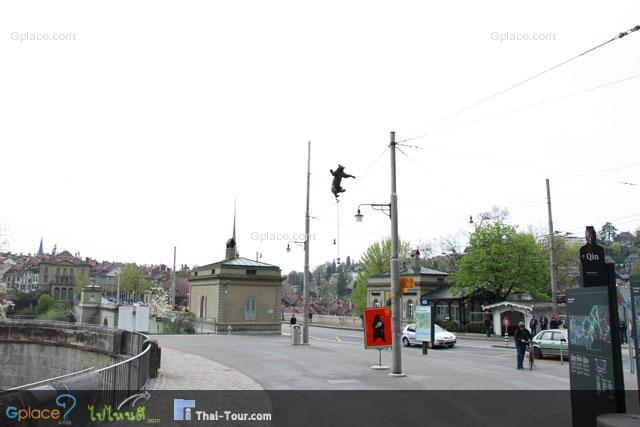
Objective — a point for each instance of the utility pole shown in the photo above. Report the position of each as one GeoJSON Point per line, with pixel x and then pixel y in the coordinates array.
{"type": "Point", "coordinates": [395, 275]}
{"type": "Point", "coordinates": [305, 327]}
{"type": "Point", "coordinates": [552, 257]}
{"type": "Point", "coordinates": [173, 279]}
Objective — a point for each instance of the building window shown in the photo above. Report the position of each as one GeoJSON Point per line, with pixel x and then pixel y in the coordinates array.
{"type": "Point", "coordinates": [442, 311]}
{"type": "Point", "coordinates": [250, 308]}
{"type": "Point", "coordinates": [454, 313]}
{"type": "Point", "coordinates": [56, 294]}
{"type": "Point", "coordinates": [251, 272]}
{"type": "Point", "coordinates": [46, 270]}
{"type": "Point", "coordinates": [410, 309]}
{"type": "Point", "coordinates": [203, 307]}
{"type": "Point", "coordinates": [63, 294]}
{"type": "Point", "coordinates": [46, 279]}
{"type": "Point", "coordinates": [213, 271]}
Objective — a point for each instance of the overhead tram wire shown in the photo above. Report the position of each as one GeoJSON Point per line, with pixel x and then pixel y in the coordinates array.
{"type": "Point", "coordinates": [525, 166]}
{"type": "Point", "coordinates": [515, 110]}
{"type": "Point", "coordinates": [528, 79]}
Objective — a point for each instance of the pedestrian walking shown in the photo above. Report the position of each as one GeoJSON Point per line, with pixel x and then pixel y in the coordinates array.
{"type": "Point", "coordinates": [487, 326]}
{"type": "Point", "coordinates": [543, 323]}
{"type": "Point", "coordinates": [554, 322]}
{"type": "Point", "coordinates": [623, 332]}
{"type": "Point", "coordinates": [522, 337]}
{"type": "Point", "coordinates": [533, 325]}
{"type": "Point", "coordinates": [310, 317]}
{"type": "Point", "coordinates": [292, 321]}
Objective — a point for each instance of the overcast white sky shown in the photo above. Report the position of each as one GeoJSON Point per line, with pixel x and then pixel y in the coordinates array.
{"type": "Point", "coordinates": [138, 135]}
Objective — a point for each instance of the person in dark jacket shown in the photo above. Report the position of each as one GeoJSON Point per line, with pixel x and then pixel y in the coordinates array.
{"type": "Point", "coordinates": [533, 325]}
{"type": "Point", "coordinates": [522, 336]}
{"type": "Point", "coordinates": [487, 326]}
{"type": "Point", "coordinates": [293, 320]}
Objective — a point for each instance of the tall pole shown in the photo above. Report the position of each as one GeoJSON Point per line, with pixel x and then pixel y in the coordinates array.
{"type": "Point", "coordinates": [395, 275]}
{"type": "Point", "coordinates": [305, 327]}
{"type": "Point", "coordinates": [173, 279]}
{"type": "Point", "coordinates": [552, 257]}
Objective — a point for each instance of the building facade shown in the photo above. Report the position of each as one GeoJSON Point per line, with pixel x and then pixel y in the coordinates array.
{"type": "Point", "coordinates": [432, 287]}
{"type": "Point", "coordinates": [59, 274]}
{"type": "Point", "coordinates": [237, 294]}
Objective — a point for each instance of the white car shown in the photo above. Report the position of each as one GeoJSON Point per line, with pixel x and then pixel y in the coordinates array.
{"type": "Point", "coordinates": [442, 338]}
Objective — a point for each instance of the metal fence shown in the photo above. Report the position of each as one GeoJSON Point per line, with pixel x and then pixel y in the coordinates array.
{"type": "Point", "coordinates": [124, 379]}
{"type": "Point", "coordinates": [114, 384]}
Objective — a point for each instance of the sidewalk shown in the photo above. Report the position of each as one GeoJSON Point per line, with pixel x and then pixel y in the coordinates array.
{"type": "Point", "coordinates": [185, 371]}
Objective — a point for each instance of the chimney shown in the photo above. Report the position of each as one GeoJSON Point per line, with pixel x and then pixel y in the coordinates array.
{"type": "Point", "coordinates": [231, 249]}
{"type": "Point", "coordinates": [415, 254]}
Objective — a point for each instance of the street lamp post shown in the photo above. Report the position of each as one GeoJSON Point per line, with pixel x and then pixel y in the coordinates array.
{"type": "Point", "coordinates": [391, 209]}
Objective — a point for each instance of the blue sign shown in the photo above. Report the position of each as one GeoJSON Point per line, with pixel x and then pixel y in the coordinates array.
{"type": "Point", "coordinates": [424, 301]}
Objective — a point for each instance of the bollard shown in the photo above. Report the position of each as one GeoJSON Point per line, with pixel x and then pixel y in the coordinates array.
{"type": "Point", "coordinates": [425, 348]}
{"type": "Point", "coordinates": [561, 356]}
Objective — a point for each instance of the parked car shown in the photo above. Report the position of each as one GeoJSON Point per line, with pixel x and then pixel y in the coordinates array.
{"type": "Point", "coordinates": [442, 337]}
{"type": "Point", "coordinates": [547, 343]}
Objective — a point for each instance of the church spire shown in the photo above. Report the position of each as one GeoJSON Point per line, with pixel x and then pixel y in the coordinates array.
{"type": "Point", "coordinates": [234, 227]}
{"type": "Point", "coordinates": [40, 249]}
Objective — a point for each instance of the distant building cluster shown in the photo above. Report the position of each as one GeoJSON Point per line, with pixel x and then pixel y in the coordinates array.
{"type": "Point", "coordinates": [60, 273]}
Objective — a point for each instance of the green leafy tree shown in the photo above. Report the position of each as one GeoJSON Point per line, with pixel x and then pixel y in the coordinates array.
{"type": "Point", "coordinates": [45, 302]}
{"type": "Point", "coordinates": [81, 281]}
{"type": "Point", "coordinates": [567, 263]}
{"type": "Point", "coordinates": [504, 262]}
{"type": "Point", "coordinates": [132, 280]}
{"type": "Point", "coordinates": [375, 260]}
{"type": "Point", "coordinates": [608, 232]}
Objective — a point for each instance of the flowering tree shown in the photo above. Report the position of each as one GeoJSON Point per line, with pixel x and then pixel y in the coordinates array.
{"type": "Point", "coordinates": [160, 301]}
{"type": "Point", "coordinates": [4, 307]}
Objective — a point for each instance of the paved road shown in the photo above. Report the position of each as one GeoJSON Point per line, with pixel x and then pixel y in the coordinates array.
{"type": "Point", "coordinates": [336, 360]}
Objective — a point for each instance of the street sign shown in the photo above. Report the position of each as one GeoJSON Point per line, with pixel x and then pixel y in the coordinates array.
{"type": "Point", "coordinates": [377, 327]}
{"type": "Point", "coordinates": [406, 283]}
{"type": "Point", "coordinates": [593, 269]}
{"type": "Point", "coordinates": [423, 323]}
{"type": "Point", "coordinates": [424, 301]}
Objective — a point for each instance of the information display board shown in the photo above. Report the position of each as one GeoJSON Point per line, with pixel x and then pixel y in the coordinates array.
{"type": "Point", "coordinates": [635, 321]}
{"type": "Point", "coordinates": [423, 323]}
{"type": "Point", "coordinates": [377, 327]}
{"type": "Point", "coordinates": [595, 362]}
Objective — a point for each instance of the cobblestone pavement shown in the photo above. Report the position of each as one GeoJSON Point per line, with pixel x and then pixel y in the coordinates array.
{"type": "Point", "coordinates": [184, 371]}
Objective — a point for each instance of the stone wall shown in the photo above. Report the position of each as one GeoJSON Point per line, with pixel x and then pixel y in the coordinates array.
{"type": "Point", "coordinates": [32, 351]}
{"type": "Point", "coordinates": [24, 363]}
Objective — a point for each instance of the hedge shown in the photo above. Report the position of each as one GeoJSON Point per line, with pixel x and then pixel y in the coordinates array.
{"type": "Point", "coordinates": [449, 325]}
{"type": "Point", "coordinates": [477, 327]}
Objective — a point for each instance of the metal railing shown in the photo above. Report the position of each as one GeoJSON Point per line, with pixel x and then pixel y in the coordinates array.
{"type": "Point", "coordinates": [122, 380]}
{"type": "Point", "coordinates": [117, 382]}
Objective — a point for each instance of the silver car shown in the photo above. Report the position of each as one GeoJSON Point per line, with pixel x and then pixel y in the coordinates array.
{"type": "Point", "coordinates": [548, 342]}
{"type": "Point", "coordinates": [442, 337]}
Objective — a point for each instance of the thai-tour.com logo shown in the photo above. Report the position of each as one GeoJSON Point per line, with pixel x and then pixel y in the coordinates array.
{"type": "Point", "coordinates": [185, 410]}
{"type": "Point", "coordinates": [65, 403]}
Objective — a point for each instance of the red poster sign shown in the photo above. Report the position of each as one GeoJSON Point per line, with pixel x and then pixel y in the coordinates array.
{"type": "Point", "coordinates": [377, 327]}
